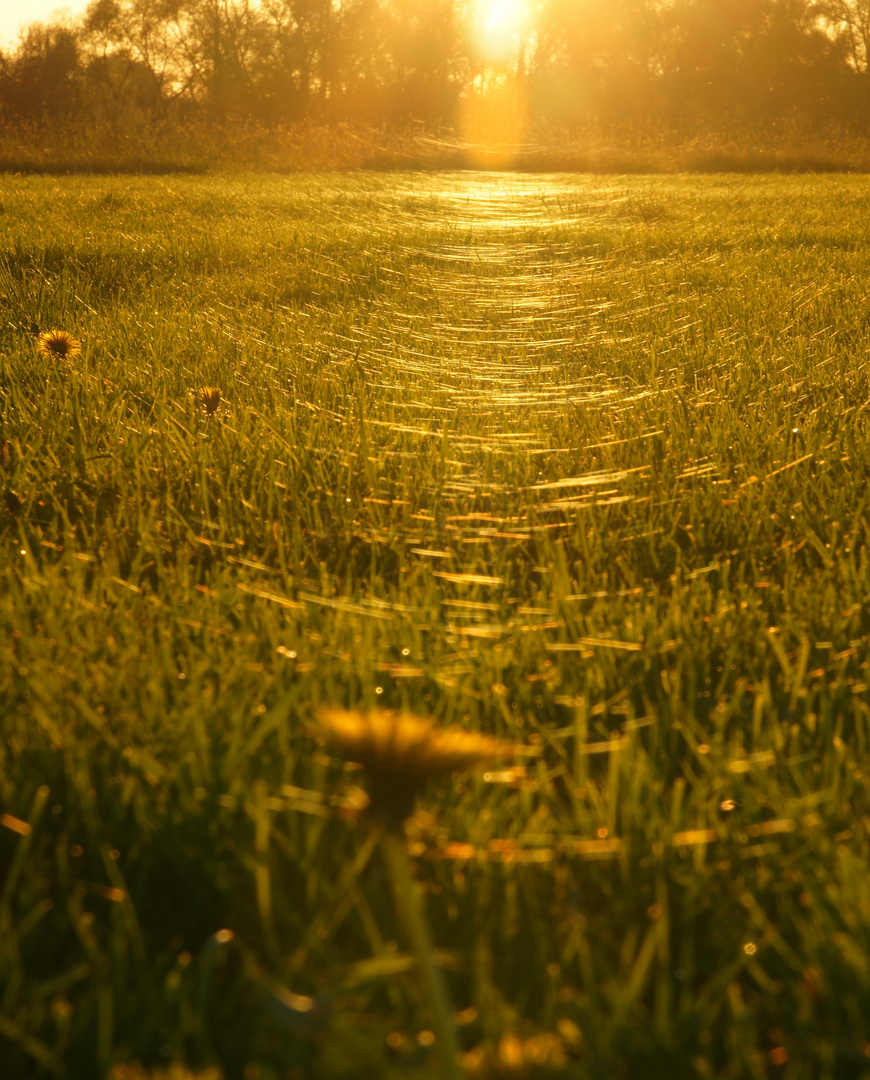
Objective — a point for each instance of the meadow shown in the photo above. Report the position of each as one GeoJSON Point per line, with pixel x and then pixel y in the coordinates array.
{"type": "Point", "coordinates": [580, 462]}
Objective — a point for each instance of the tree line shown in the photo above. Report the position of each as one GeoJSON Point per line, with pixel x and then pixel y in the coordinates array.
{"type": "Point", "coordinates": [676, 62]}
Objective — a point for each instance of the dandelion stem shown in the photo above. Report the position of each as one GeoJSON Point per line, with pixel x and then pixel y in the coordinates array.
{"type": "Point", "coordinates": [409, 904]}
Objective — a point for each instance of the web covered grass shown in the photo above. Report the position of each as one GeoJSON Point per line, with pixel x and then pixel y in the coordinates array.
{"type": "Point", "coordinates": [578, 462]}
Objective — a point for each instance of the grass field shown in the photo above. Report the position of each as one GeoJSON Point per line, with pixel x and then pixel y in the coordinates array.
{"type": "Point", "coordinates": [579, 462]}
{"type": "Point", "coordinates": [146, 145]}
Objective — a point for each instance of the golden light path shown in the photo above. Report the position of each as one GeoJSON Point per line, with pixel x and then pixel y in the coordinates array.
{"type": "Point", "coordinates": [494, 112]}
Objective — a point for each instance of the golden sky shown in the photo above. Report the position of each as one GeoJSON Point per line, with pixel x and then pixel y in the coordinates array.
{"type": "Point", "coordinates": [15, 14]}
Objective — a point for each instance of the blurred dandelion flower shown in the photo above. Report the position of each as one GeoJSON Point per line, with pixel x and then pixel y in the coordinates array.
{"type": "Point", "coordinates": [58, 345]}
{"type": "Point", "coordinates": [210, 396]}
{"type": "Point", "coordinates": [400, 752]}
{"type": "Point", "coordinates": [135, 1071]}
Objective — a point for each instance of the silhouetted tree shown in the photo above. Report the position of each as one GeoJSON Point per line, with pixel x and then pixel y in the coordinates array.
{"type": "Point", "coordinates": [299, 67]}
{"type": "Point", "coordinates": [600, 58]}
{"type": "Point", "coordinates": [138, 53]}
{"type": "Point", "coordinates": [424, 72]}
{"type": "Point", "coordinates": [849, 21]}
{"type": "Point", "coordinates": [42, 78]}
{"type": "Point", "coordinates": [749, 60]}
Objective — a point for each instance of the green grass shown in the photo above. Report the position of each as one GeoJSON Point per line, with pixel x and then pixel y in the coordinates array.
{"type": "Point", "coordinates": [580, 462]}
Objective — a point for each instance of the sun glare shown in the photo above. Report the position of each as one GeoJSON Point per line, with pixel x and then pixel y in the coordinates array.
{"type": "Point", "coordinates": [498, 27]}
{"type": "Point", "coordinates": [494, 111]}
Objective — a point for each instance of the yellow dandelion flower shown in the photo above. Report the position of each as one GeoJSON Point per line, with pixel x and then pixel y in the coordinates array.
{"type": "Point", "coordinates": [400, 752]}
{"type": "Point", "coordinates": [210, 396]}
{"type": "Point", "coordinates": [58, 345]}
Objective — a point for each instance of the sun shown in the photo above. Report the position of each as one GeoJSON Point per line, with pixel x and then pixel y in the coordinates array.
{"type": "Point", "coordinates": [500, 16]}
{"type": "Point", "coordinates": [498, 29]}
